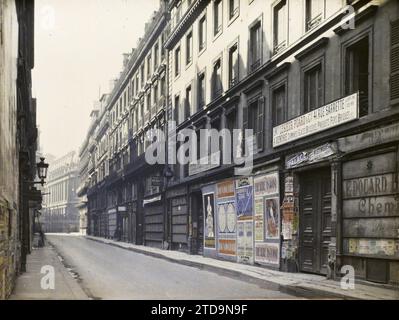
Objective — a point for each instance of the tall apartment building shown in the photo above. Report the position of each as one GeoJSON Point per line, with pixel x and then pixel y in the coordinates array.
{"type": "Point", "coordinates": [316, 82]}
{"type": "Point", "coordinates": [124, 193]}
{"type": "Point", "coordinates": [60, 213]}
{"type": "Point", "coordinates": [19, 199]}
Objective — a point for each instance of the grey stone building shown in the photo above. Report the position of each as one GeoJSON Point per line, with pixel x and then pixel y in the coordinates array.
{"type": "Point", "coordinates": [60, 212]}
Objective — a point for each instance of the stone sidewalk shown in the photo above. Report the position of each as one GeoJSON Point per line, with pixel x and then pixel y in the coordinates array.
{"type": "Point", "coordinates": [306, 285]}
{"type": "Point", "coordinates": [28, 284]}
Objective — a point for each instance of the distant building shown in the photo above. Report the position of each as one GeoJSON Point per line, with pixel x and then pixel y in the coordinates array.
{"type": "Point", "coordinates": [60, 213]}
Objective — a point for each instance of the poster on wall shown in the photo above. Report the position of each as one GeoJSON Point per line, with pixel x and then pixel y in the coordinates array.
{"type": "Point", "coordinates": [245, 241]}
{"type": "Point", "coordinates": [259, 220]}
{"type": "Point", "coordinates": [225, 189]}
{"type": "Point", "coordinates": [267, 253]}
{"type": "Point", "coordinates": [244, 200]}
{"type": "Point", "coordinates": [272, 218]}
{"type": "Point", "coordinates": [226, 218]}
{"type": "Point", "coordinates": [266, 185]}
{"type": "Point", "coordinates": [287, 219]}
{"type": "Point", "coordinates": [209, 232]}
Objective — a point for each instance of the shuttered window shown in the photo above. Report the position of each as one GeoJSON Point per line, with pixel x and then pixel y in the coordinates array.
{"type": "Point", "coordinates": [394, 82]}
{"type": "Point", "coordinates": [253, 119]}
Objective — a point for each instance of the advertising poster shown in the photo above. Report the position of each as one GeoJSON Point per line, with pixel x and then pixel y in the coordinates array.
{"type": "Point", "coordinates": [209, 232]}
{"type": "Point", "coordinates": [259, 220]}
{"type": "Point", "coordinates": [226, 218]}
{"type": "Point", "coordinates": [268, 253]}
{"type": "Point", "coordinates": [272, 218]}
{"type": "Point", "coordinates": [244, 200]}
{"type": "Point", "coordinates": [245, 241]}
{"type": "Point", "coordinates": [266, 185]}
{"type": "Point", "coordinates": [287, 219]}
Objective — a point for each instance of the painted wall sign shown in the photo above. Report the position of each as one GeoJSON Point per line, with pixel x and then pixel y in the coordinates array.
{"type": "Point", "coordinates": [371, 186]}
{"type": "Point", "coordinates": [369, 138]}
{"type": "Point", "coordinates": [310, 156]}
{"type": "Point", "coordinates": [326, 117]}
{"type": "Point", "coordinates": [268, 253]}
{"type": "Point", "coordinates": [266, 185]}
{"type": "Point", "coordinates": [272, 218]}
{"type": "Point", "coordinates": [371, 207]}
{"type": "Point", "coordinates": [245, 241]}
{"type": "Point", "coordinates": [259, 220]}
{"type": "Point", "coordinates": [209, 232]}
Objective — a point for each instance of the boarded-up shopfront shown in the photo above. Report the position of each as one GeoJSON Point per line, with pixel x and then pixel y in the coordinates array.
{"type": "Point", "coordinates": [153, 221]}
{"type": "Point", "coordinates": [370, 204]}
{"type": "Point", "coordinates": [178, 221]}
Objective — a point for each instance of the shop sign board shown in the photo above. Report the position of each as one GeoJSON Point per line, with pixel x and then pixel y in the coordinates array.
{"type": "Point", "coordinates": [369, 138]}
{"type": "Point", "coordinates": [310, 156]}
{"type": "Point", "coordinates": [329, 116]}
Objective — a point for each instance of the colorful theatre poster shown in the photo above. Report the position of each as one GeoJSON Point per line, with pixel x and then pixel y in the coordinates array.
{"type": "Point", "coordinates": [209, 232]}
{"type": "Point", "coordinates": [272, 218]}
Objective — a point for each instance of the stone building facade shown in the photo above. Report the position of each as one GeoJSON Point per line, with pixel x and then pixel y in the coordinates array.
{"type": "Point", "coordinates": [19, 199]}
{"type": "Point", "coordinates": [317, 83]}
{"type": "Point", "coordinates": [60, 212]}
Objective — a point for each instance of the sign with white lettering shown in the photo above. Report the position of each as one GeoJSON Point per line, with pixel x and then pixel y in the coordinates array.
{"type": "Point", "coordinates": [310, 156]}
{"type": "Point", "coordinates": [326, 117]}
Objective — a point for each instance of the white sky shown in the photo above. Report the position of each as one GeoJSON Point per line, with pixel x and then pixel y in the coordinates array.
{"type": "Point", "coordinates": [78, 50]}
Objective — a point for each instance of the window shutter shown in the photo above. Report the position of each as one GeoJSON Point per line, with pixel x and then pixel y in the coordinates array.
{"type": "Point", "coordinates": [394, 83]}
{"type": "Point", "coordinates": [260, 124]}
{"type": "Point", "coordinates": [244, 125]}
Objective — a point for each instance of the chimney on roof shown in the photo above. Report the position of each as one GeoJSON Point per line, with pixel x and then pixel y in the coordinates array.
{"type": "Point", "coordinates": [126, 57]}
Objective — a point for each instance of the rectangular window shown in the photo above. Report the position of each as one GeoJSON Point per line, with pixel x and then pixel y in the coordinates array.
{"type": "Point", "coordinates": [202, 33]}
{"type": "Point", "coordinates": [314, 13]}
{"type": "Point", "coordinates": [188, 103]}
{"type": "Point", "coordinates": [142, 75]}
{"type": "Point", "coordinates": [217, 16]}
{"type": "Point", "coordinates": [255, 46]}
{"type": "Point", "coordinates": [176, 110]}
{"type": "Point", "coordinates": [255, 120]}
{"type": "Point", "coordinates": [162, 93]}
{"type": "Point", "coordinates": [177, 61]}
{"type": "Point", "coordinates": [189, 48]}
{"type": "Point", "coordinates": [137, 83]}
{"type": "Point", "coordinates": [217, 79]}
{"type": "Point", "coordinates": [178, 12]}
{"type": "Point", "coordinates": [156, 53]}
{"type": "Point", "coordinates": [278, 105]}
{"type": "Point", "coordinates": [313, 88]}
{"type": "Point", "coordinates": [201, 91]}
{"type": "Point", "coordinates": [357, 66]}
{"type": "Point", "coordinates": [233, 8]}
{"type": "Point", "coordinates": [233, 65]}
{"type": "Point", "coordinates": [149, 59]}
{"type": "Point", "coordinates": [280, 26]}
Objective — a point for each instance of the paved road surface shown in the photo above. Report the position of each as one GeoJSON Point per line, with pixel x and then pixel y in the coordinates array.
{"type": "Point", "coordinates": [108, 272]}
